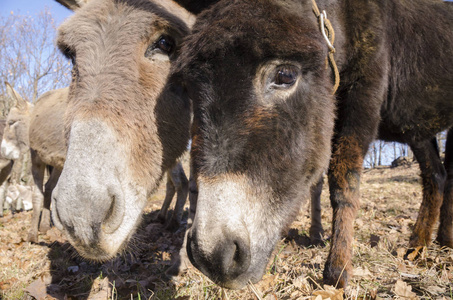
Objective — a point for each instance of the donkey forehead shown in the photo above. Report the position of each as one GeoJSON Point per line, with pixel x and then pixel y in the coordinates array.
{"type": "Point", "coordinates": [247, 32]}
{"type": "Point", "coordinates": [122, 21]}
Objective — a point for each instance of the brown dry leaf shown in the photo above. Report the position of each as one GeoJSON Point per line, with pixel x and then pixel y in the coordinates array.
{"type": "Point", "coordinates": [413, 254]}
{"type": "Point", "coordinates": [401, 266]}
{"type": "Point", "coordinates": [401, 252]}
{"type": "Point", "coordinates": [435, 290]}
{"type": "Point", "coordinates": [446, 276]}
{"type": "Point", "coordinates": [302, 284]}
{"type": "Point", "coordinates": [405, 229]}
{"type": "Point", "coordinates": [329, 292]}
{"type": "Point", "coordinates": [372, 295]}
{"type": "Point", "coordinates": [54, 235]}
{"type": "Point", "coordinates": [5, 285]}
{"type": "Point", "coordinates": [100, 289]}
{"type": "Point", "coordinates": [404, 290]}
{"type": "Point", "coordinates": [270, 297]}
{"type": "Point", "coordinates": [16, 239]}
{"type": "Point", "coordinates": [38, 288]}
{"type": "Point", "coordinates": [358, 223]}
{"type": "Point", "coordinates": [4, 260]}
{"type": "Point", "coordinates": [266, 283]}
{"type": "Point", "coordinates": [362, 272]}
{"type": "Point", "coordinates": [296, 295]}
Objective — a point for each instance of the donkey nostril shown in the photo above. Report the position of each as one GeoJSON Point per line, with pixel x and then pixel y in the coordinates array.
{"type": "Point", "coordinates": [114, 216]}
{"type": "Point", "coordinates": [236, 259]}
{"type": "Point", "coordinates": [221, 259]}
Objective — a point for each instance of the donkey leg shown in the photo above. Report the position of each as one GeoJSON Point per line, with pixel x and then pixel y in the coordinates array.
{"type": "Point", "coordinates": [44, 226]}
{"type": "Point", "coordinates": [2, 200]}
{"type": "Point", "coordinates": [316, 230]}
{"type": "Point", "coordinates": [193, 197]}
{"type": "Point", "coordinates": [344, 181]}
{"type": "Point", "coordinates": [38, 169]}
{"type": "Point", "coordinates": [445, 233]}
{"type": "Point", "coordinates": [182, 189]}
{"type": "Point", "coordinates": [4, 173]}
{"type": "Point", "coordinates": [433, 180]}
{"type": "Point", "coordinates": [182, 261]}
{"type": "Point", "coordinates": [2, 197]}
{"type": "Point", "coordinates": [169, 193]}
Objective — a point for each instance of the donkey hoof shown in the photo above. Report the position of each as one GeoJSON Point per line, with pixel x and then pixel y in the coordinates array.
{"type": "Point", "coordinates": [445, 242]}
{"type": "Point", "coordinates": [335, 276]}
{"type": "Point", "coordinates": [316, 238]}
{"type": "Point", "coordinates": [317, 241]}
{"type": "Point", "coordinates": [43, 228]}
{"type": "Point", "coordinates": [32, 238]}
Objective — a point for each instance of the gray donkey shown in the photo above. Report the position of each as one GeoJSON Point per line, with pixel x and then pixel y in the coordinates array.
{"type": "Point", "coordinates": [125, 124]}
{"type": "Point", "coordinates": [39, 128]}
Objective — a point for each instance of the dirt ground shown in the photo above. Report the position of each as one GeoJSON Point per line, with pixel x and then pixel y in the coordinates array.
{"type": "Point", "coordinates": [390, 201]}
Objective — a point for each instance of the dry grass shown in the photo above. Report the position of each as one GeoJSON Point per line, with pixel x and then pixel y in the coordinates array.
{"type": "Point", "coordinates": [390, 202]}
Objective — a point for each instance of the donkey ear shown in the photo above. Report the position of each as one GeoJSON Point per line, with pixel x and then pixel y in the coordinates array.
{"type": "Point", "coordinates": [73, 4]}
{"type": "Point", "coordinates": [17, 100]}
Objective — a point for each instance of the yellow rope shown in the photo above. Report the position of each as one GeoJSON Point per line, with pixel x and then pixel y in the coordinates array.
{"type": "Point", "coordinates": [326, 27]}
{"type": "Point", "coordinates": [315, 9]}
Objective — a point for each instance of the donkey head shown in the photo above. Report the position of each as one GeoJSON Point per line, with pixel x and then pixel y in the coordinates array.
{"type": "Point", "coordinates": [125, 122]}
{"type": "Point", "coordinates": [15, 136]}
{"type": "Point", "coordinates": [263, 115]}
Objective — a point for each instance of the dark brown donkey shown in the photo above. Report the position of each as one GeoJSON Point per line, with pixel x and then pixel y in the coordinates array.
{"type": "Point", "coordinates": [264, 116]}
{"type": "Point", "coordinates": [125, 124]}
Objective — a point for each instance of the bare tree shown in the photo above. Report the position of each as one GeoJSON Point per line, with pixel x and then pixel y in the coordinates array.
{"type": "Point", "coordinates": [376, 154]}
{"type": "Point", "coordinates": [441, 139]}
{"type": "Point", "coordinates": [31, 63]}
{"type": "Point", "coordinates": [371, 156]}
{"type": "Point", "coordinates": [382, 145]}
{"type": "Point", "coordinates": [29, 59]}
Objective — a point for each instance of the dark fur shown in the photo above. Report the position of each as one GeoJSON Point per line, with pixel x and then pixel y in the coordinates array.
{"type": "Point", "coordinates": [196, 6]}
{"type": "Point", "coordinates": [396, 65]}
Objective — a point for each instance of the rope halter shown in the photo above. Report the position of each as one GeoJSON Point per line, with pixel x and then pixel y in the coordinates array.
{"type": "Point", "coordinates": [329, 36]}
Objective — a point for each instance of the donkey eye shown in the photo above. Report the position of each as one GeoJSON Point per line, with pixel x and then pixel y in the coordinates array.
{"type": "Point", "coordinates": [164, 44]}
{"type": "Point", "coordinates": [285, 76]}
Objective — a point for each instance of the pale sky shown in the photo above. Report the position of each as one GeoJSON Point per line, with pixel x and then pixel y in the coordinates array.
{"type": "Point", "coordinates": [33, 7]}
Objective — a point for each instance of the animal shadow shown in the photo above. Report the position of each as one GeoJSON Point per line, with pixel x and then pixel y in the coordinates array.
{"type": "Point", "coordinates": [137, 273]}
{"type": "Point", "coordinates": [302, 239]}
